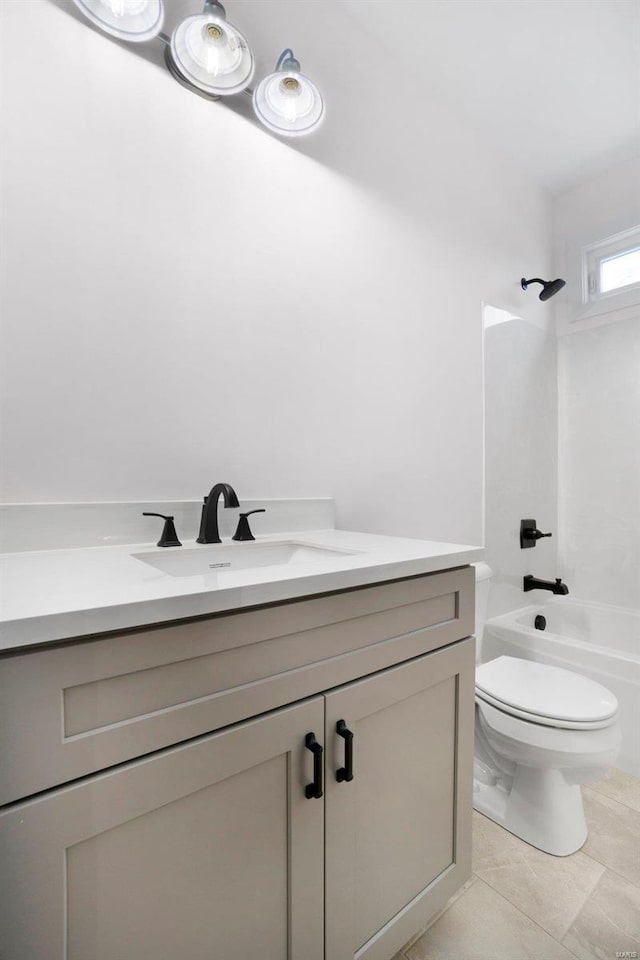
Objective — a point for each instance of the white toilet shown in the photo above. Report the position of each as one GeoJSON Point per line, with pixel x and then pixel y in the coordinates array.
{"type": "Point", "coordinates": [541, 731]}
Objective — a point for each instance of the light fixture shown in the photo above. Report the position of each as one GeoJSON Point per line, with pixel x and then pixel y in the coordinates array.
{"type": "Point", "coordinates": [286, 101]}
{"type": "Point", "coordinates": [212, 58]}
{"type": "Point", "coordinates": [549, 287]}
{"type": "Point", "coordinates": [210, 53]}
{"type": "Point", "coordinates": [134, 20]}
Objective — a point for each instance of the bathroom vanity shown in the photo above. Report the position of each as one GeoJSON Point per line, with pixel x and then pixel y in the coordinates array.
{"type": "Point", "coordinates": [289, 779]}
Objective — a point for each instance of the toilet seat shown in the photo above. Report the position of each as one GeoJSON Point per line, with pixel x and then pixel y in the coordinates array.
{"type": "Point", "coordinates": [545, 721]}
{"type": "Point", "coordinates": [544, 694]}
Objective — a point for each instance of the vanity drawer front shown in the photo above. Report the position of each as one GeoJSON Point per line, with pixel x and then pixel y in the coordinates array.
{"type": "Point", "coordinates": [72, 710]}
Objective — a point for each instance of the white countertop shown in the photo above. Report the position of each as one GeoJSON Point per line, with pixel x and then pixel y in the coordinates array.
{"type": "Point", "coordinates": [53, 595]}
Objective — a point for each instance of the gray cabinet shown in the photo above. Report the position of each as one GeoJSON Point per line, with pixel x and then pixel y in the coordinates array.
{"type": "Point", "coordinates": [208, 850]}
{"type": "Point", "coordinates": [211, 850]}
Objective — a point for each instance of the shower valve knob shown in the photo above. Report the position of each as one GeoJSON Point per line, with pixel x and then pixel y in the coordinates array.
{"type": "Point", "coordinates": [529, 534]}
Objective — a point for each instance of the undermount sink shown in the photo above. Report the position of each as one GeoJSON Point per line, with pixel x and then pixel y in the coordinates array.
{"type": "Point", "coordinates": [242, 556]}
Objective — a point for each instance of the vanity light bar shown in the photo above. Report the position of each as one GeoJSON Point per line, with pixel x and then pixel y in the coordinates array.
{"type": "Point", "coordinates": [211, 57]}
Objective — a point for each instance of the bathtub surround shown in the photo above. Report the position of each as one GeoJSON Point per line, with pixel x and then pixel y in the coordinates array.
{"type": "Point", "coordinates": [598, 399]}
{"type": "Point", "coordinates": [360, 349]}
{"type": "Point", "coordinates": [520, 453]}
{"type": "Point", "coordinates": [599, 465]}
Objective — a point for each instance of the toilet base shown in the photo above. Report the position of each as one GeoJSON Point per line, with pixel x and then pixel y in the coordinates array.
{"type": "Point", "coordinates": [540, 807]}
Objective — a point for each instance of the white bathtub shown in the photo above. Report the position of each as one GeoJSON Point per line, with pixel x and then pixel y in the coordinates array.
{"type": "Point", "coordinates": [597, 640]}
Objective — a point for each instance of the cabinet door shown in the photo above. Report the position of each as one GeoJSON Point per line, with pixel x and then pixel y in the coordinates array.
{"type": "Point", "coordinates": [207, 851]}
{"type": "Point", "coordinates": [398, 835]}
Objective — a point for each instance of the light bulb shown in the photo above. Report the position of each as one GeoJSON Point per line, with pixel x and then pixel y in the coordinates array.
{"type": "Point", "coordinates": [212, 54]}
{"type": "Point", "coordinates": [287, 102]}
{"type": "Point", "coordinates": [133, 20]}
{"type": "Point", "coordinates": [290, 90]}
{"type": "Point", "coordinates": [125, 8]}
{"type": "Point", "coordinates": [217, 50]}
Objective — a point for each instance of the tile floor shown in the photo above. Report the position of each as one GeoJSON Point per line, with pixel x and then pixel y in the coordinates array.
{"type": "Point", "coordinates": [522, 904]}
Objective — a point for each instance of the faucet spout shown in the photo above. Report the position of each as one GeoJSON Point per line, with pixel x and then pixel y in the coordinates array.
{"type": "Point", "coordinates": [209, 532]}
{"type": "Point", "coordinates": [556, 587]}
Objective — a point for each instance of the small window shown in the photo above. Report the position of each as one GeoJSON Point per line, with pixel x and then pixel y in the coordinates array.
{"type": "Point", "coordinates": [619, 271]}
{"type": "Point", "coordinates": [612, 266]}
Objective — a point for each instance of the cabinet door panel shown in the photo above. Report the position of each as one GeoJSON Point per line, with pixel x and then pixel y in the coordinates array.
{"type": "Point", "coordinates": [398, 834]}
{"type": "Point", "coordinates": [401, 794]}
{"type": "Point", "coordinates": [210, 850]}
{"type": "Point", "coordinates": [181, 854]}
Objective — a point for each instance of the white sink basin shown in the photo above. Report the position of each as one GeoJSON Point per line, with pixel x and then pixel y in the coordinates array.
{"type": "Point", "coordinates": [178, 562]}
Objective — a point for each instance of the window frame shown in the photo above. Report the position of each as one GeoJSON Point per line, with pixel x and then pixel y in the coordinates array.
{"type": "Point", "coordinates": [595, 253]}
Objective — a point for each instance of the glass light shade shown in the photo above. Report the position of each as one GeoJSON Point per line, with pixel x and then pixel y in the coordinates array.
{"type": "Point", "coordinates": [288, 103]}
{"type": "Point", "coordinates": [134, 20]}
{"type": "Point", "coordinates": [212, 54]}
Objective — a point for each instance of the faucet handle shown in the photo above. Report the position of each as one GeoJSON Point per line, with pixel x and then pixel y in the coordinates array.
{"type": "Point", "coordinates": [243, 530]}
{"type": "Point", "coordinates": [169, 537]}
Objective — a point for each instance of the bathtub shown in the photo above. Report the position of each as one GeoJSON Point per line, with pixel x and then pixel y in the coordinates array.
{"type": "Point", "coordinates": [597, 640]}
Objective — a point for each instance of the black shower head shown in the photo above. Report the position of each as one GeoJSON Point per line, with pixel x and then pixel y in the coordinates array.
{"type": "Point", "coordinates": [549, 287]}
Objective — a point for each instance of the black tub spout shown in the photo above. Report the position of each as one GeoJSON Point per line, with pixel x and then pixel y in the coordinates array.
{"type": "Point", "coordinates": [555, 586]}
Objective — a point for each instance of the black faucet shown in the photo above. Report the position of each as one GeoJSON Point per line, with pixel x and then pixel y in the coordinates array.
{"type": "Point", "coordinates": [209, 521]}
{"type": "Point", "coordinates": [532, 583]}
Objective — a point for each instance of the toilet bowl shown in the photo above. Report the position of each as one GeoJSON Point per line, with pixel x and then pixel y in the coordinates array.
{"type": "Point", "coordinates": [540, 732]}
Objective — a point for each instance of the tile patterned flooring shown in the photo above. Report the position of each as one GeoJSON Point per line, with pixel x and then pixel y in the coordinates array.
{"type": "Point", "coordinates": [522, 904]}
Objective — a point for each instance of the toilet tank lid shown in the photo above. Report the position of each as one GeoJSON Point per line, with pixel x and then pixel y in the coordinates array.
{"type": "Point", "coordinates": [545, 691]}
{"type": "Point", "coordinates": [483, 571]}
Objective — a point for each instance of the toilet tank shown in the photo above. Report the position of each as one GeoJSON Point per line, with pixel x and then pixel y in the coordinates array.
{"type": "Point", "coordinates": [483, 582]}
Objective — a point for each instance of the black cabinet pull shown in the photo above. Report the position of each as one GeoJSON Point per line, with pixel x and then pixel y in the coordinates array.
{"type": "Point", "coordinates": [346, 772]}
{"type": "Point", "coordinates": [314, 790]}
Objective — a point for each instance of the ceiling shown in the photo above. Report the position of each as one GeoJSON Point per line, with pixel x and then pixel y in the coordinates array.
{"type": "Point", "coordinates": [554, 83]}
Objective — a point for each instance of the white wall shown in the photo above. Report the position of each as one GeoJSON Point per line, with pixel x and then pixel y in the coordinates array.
{"type": "Point", "coordinates": [598, 208]}
{"type": "Point", "coordinates": [187, 299]}
{"type": "Point", "coordinates": [599, 403]}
